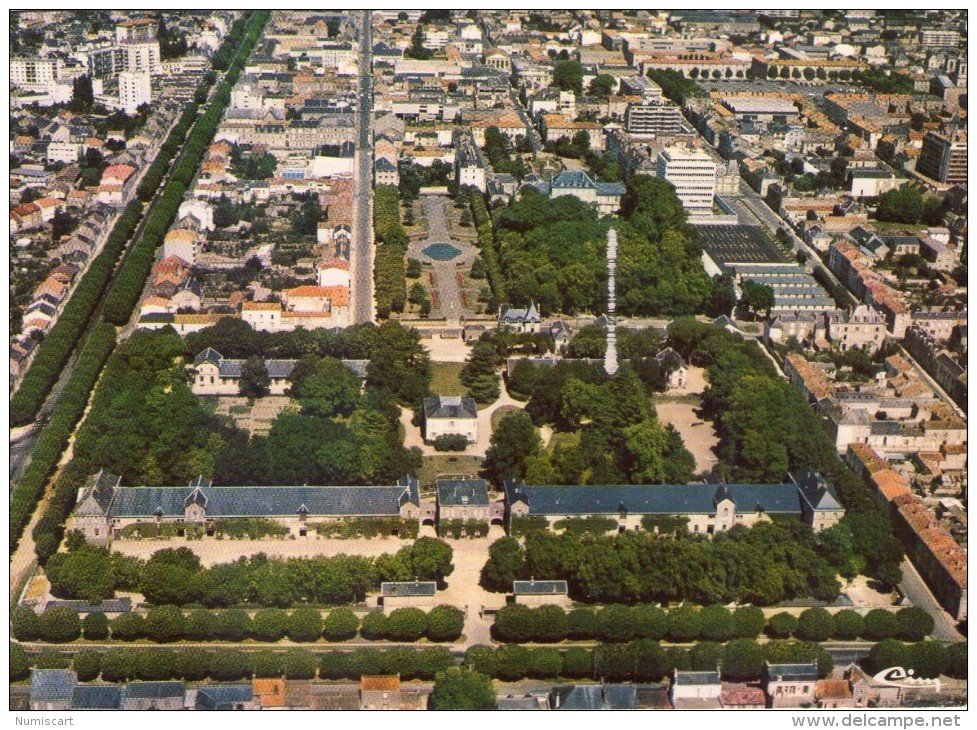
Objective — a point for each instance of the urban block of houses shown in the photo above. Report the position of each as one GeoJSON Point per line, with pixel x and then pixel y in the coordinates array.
{"type": "Point", "coordinates": [450, 415]}
{"type": "Point", "coordinates": [704, 508]}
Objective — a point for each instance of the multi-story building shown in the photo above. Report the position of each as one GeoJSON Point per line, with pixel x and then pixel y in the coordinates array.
{"type": "Point", "coordinates": [693, 175]}
{"type": "Point", "coordinates": [933, 38]}
{"type": "Point", "coordinates": [653, 118]}
{"type": "Point", "coordinates": [135, 89]}
{"type": "Point", "coordinates": [35, 74]}
{"type": "Point", "coordinates": [944, 157]}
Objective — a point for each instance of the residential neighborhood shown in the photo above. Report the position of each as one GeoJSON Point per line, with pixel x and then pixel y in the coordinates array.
{"type": "Point", "coordinates": [488, 359]}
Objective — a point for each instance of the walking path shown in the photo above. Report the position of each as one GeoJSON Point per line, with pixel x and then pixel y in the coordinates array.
{"type": "Point", "coordinates": [448, 303]}
{"type": "Point", "coordinates": [413, 436]}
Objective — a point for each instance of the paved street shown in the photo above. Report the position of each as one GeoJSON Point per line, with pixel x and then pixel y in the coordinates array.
{"type": "Point", "coordinates": [913, 587]}
{"type": "Point", "coordinates": [361, 255]}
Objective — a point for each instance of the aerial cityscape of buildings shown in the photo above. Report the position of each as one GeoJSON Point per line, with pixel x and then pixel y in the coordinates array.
{"type": "Point", "coordinates": [616, 358]}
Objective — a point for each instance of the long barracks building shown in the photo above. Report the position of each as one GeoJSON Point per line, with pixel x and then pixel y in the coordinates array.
{"type": "Point", "coordinates": [105, 508]}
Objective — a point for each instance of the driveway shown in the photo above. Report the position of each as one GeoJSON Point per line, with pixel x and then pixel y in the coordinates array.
{"type": "Point", "coordinates": [413, 435]}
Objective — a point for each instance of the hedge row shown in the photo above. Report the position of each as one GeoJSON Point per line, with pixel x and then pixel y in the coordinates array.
{"type": "Point", "coordinates": [644, 660]}
{"type": "Point", "coordinates": [641, 660]}
{"type": "Point", "coordinates": [486, 243]}
{"type": "Point", "coordinates": [54, 438]}
{"type": "Point", "coordinates": [167, 624]}
{"type": "Point", "coordinates": [127, 288]}
{"type": "Point", "coordinates": [54, 351]}
{"type": "Point", "coordinates": [389, 269]}
{"type": "Point", "coordinates": [153, 177]}
{"type": "Point", "coordinates": [617, 623]}
{"type": "Point", "coordinates": [155, 664]}
{"type": "Point", "coordinates": [818, 624]}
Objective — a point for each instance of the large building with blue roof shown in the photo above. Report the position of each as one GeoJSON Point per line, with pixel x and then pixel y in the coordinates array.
{"type": "Point", "coordinates": [708, 508]}
{"type": "Point", "coordinates": [105, 508]}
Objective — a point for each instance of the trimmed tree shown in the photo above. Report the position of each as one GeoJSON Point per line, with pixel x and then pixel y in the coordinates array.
{"type": "Point", "coordinates": [95, 626]}
{"type": "Point", "coordinates": [748, 622]}
{"type": "Point", "coordinates": [581, 623]}
{"type": "Point", "coordinates": [269, 624]}
{"type": "Point", "coordinates": [577, 662]}
{"type": "Point", "coordinates": [684, 623]}
{"type": "Point", "coordinates": [25, 623]}
{"type": "Point", "coordinates": [782, 625]}
{"type": "Point", "coordinates": [815, 624]}
{"type": "Point", "coordinates": [20, 666]}
{"type": "Point", "coordinates": [880, 625]}
{"type": "Point", "coordinates": [374, 626]}
{"type": "Point", "coordinates": [742, 660]}
{"type": "Point", "coordinates": [192, 665]}
{"type": "Point", "coordinates": [229, 665]}
{"type": "Point", "coordinates": [88, 665]}
{"type": "Point", "coordinates": [715, 623]}
{"type": "Point", "coordinates": [651, 622]}
{"type": "Point", "coordinates": [406, 624]}
{"type": "Point", "coordinates": [913, 624]}
{"type": "Point", "coordinates": [165, 624]}
{"type": "Point", "coordinates": [305, 624]}
{"type": "Point", "coordinates": [848, 625]}
{"type": "Point", "coordinates": [266, 664]}
{"type": "Point", "coordinates": [299, 664]}
{"type": "Point", "coordinates": [128, 627]}
{"type": "Point", "coordinates": [445, 623]}
{"type": "Point", "coordinates": [341, 624]}
{"type": "Point", "coordinates": [60, 625]}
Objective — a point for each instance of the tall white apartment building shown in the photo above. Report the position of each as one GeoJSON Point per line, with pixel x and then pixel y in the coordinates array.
{"type": "Point", "coordinates": [143, 56]}
{"type": "Point", "coordinates": [34, 74]}
{"type": "Point", "coordinates": [135, 89]}
{"type": "Point", "coordinates": [693, 174]}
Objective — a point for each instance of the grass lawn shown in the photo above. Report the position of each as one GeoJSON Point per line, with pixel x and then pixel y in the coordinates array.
{"type": "Point", "coordinates": [500, 413]}
{"type": "Point", "coordinates": [564, 439]}
{"type": "Point", "coordinates": [445, 380]}
{"type": "Point", "coordinates": [448, 464]}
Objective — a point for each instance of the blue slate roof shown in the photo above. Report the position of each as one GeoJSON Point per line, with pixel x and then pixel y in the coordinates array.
{"type": "Point", "coordinates": [594, 697]}
{"type": "Point", "coordinates": [539, 587]}
{"type": "Point", "coordinates": [153, 690]}
{"type": "Point", "coordinates": [222, 696]}
{"type": "Point", "coordinates": [408, 588]}
{"type": "Point", "coordinates": [664, 499]}
{"type": "Point", "coordinates": [447, 406]}
{"type": "Point", "coordinates": [694, 678]}
{"type": "Point", "coordinates": [792, 672]}
{"type": "Point", "coordinates": [463, 492]}
{"type": "Point", "coordinates": [52, 684]}
{"type": "Point", "coordinates": [109, 605]}
{"type": "Point", "coordinates": [264, 501]}
{"type": "Point", "coordinates": [96, 697]}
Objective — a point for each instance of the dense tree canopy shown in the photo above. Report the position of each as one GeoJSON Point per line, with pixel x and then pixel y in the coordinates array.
{"type": "Point", "coordinates": [553, 252]}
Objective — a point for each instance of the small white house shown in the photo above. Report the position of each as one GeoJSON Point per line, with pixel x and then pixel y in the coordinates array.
{"type": "Point", "coordinates": [446, 415]}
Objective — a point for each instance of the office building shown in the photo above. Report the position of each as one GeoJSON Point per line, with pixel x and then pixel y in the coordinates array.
{"type": "Point", "coordinates": [693, 175]}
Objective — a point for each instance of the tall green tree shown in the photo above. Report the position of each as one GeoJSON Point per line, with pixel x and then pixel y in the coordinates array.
{"type": "Point", "coordinates": [462, 689]}
{"type": "Point", "coordinates": [512, 443]}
